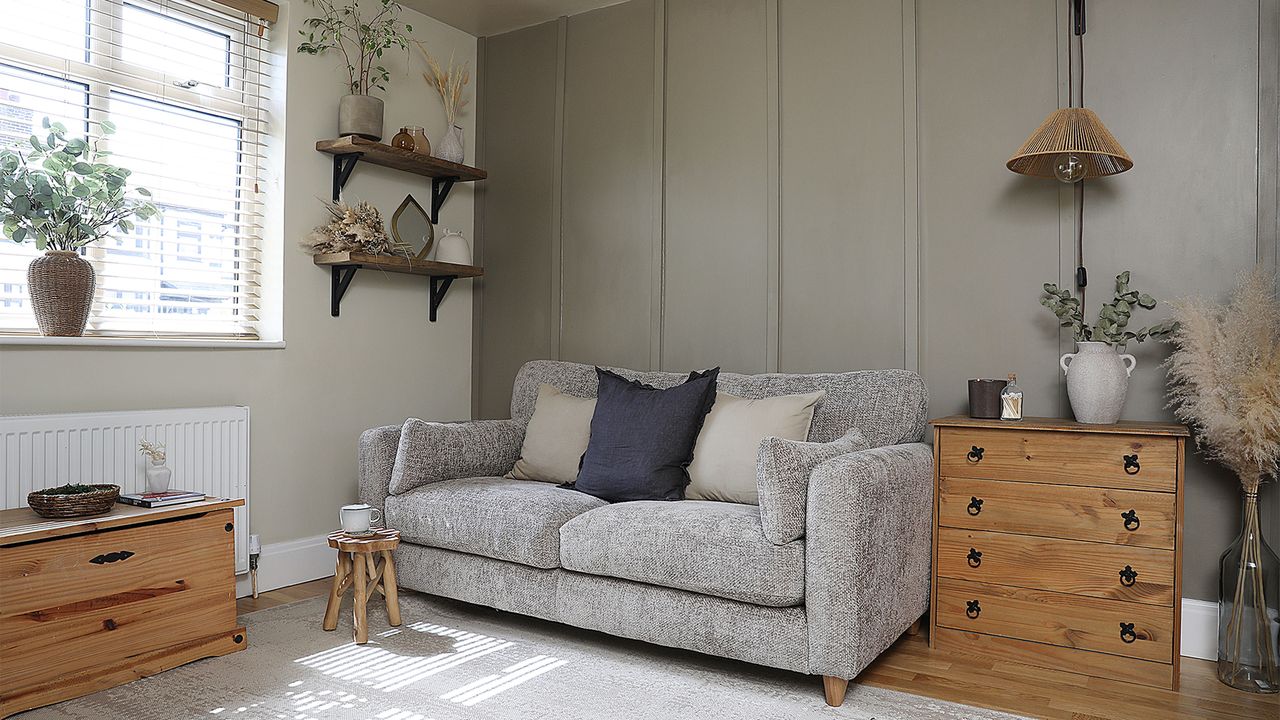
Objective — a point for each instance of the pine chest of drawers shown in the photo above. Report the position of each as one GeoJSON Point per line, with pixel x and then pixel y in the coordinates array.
{"type": "Point", "coordinates": [90, 603]}
{"type": "Point", "coordinates": [1059, 544]}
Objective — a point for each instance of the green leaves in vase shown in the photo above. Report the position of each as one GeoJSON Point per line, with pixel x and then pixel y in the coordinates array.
{"type": "Point", "coordinates": [1113, 317]}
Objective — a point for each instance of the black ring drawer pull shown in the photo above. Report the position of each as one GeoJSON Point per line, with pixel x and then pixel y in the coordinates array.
{"type": "Point", "coordinates": [974, 558]}
{"type": "Point", "coordinates": [112, 557]}
{"type": "Point", "coordinates": [975, 506]}
{"type": "Point", "coordinates": [975, 454]}
{"type": "Point", "coordinates": [1128, 575]}
{"type": "Point", "coordinates": [1126, 632]}
{"type": "Point", "coordinates": [1131, 521]}
{"type": "Point", "coordinates": [1131, 465]}
{"type": "Point", "coordinates": [973, 609]}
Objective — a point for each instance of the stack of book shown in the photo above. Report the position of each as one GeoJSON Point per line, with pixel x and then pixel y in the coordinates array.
{"type": "Point", "coordinates": [154, 500]}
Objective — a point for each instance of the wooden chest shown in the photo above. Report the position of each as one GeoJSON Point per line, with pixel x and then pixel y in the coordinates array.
{"type": "Point", "coordinates": [1059, 544]}
{"type": "Point", "coordinates": [90, 603]}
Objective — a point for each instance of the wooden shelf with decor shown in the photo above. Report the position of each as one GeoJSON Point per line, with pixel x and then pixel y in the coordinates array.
{"type": "Point", "coordinates": [349, 150]}
{"type": "Point", "coordinates": [345, 264]}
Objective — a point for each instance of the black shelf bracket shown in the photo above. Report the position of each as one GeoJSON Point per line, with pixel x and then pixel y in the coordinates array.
{"type": "Point", "coordinates": [342, 167]}
{"type": "Point", "coordinates": [440, 188]}
{"type": "Point", "coordinates": [439, 286]}
{"type": "Point", "coordinates": [341, 276]}
{"type": "Point", "coordinates": [339, 281]}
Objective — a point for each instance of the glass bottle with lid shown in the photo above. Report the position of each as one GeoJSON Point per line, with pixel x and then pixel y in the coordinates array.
{"type": "Point", "coordinates": [1011, 400]}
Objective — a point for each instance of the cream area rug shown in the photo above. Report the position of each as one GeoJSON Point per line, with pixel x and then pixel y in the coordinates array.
{"type": "Point", "coordinates": [454, 661]}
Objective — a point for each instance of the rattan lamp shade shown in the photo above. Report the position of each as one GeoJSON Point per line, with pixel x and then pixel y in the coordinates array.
{"type": "Point", "coordinates": [1071, 130]}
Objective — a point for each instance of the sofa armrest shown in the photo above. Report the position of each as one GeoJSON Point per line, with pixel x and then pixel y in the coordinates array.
{"type": "Point", "coordinates": [431, 452]}
{"type": "Point", "coordinates": [375, 459]}
{"type": "Point", "coordinates": [868, 554]}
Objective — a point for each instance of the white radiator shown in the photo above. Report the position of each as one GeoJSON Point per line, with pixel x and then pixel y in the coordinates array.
{"type": "Point", "coordinates": [207, 449]}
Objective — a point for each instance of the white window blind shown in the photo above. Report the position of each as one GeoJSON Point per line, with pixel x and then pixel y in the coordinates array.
{"type": "Point", "coordinates": [184, 82]}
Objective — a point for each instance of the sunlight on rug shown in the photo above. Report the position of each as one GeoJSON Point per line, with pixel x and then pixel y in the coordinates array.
{"type": "Point", "coordinates": [453, 661]}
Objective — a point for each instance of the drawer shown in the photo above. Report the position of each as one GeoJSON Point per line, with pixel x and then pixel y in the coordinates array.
{"type": "Point", "coordinates": [1054, 657]}
{"type": "Point", "coordinates": [50, 579]}
{"type": "Point", "coordinates": [1115, 572]}
{"type": "Point", "coordinates": [1119, 628]}
{"type": "Point", "coordinates": [1134, 462]}
{"type": "Point", "coordinates": [1122, 517]}
{"type": "Point", "coordinates": [95, 635]}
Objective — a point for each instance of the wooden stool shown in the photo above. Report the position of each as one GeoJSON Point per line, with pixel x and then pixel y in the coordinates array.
{"type": "Point", "coordinates": [358, 566]}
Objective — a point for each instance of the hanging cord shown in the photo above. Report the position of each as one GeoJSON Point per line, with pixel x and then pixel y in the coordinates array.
{"type": "Point", "coordinates": [1082, 276]}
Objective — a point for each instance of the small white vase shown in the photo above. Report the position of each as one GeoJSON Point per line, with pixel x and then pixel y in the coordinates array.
{"type": "Point", "coordinates": [453, 248]}
{"type": "Point", "coordinates": [451, 146]}
{"type": "Point", "coordinates": [158, 476]}
{"type": "Point", "coordinates": [1097, 380]}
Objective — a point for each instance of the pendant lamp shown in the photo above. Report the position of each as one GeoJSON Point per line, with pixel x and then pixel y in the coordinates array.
{"type": "Point", "coordinates": [1072, 143]}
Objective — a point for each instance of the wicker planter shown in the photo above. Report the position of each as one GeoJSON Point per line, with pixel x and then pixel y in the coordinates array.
{"type": "Point", "coordinates": [61, 286]}
{"type": "Point", "coordinates": [76, 504]}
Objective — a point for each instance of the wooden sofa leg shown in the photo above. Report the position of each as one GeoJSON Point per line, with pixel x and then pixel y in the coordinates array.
{"type": "Point", "coordinates": [915, 628]}
{"type": "Point", "coordinates": [834, 688]}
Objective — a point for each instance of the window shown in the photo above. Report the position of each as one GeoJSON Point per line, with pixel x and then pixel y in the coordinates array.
{"type": "Point", "coordinates": [183, 82]}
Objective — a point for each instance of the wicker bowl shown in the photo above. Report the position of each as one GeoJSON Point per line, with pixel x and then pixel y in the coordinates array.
{"type": "Point", "coordinates": [55, 505]}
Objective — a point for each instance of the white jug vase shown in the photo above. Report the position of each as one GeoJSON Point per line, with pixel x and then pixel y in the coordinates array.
{"type": "Point", "coordinates": [1097, 380]}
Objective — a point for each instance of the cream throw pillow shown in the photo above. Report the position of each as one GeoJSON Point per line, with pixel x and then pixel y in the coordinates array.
{"type": "Point", "coordinates": [556, 437]}
{"type": "Point", "coordinates": [724, 459]}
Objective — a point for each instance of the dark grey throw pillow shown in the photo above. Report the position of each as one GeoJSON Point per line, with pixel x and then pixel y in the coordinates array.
{"type": "Point", "coordinates": [642, 438]}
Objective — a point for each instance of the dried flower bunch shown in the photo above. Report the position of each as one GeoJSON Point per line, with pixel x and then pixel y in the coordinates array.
{"type": "Point", "coordinates": [353, 228]}
{"type": "Point", "coordinates": [450, 83]}
{"type": "Point", "coordinates": [155, 451]}
{"type": "Point", "coordinates": [1224, 377]}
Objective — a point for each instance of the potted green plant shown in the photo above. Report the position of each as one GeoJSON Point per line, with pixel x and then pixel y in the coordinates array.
{"type": "Point", "coordinates": [63, 194]}
{"type": "Point", "coordinates": [1097, 375]}
{"type": "Point", "coordinates": [1224, 381]}
{"type": "Point", "coordinates": [361, 42]}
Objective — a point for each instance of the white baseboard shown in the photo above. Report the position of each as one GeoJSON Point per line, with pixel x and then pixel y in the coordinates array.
{"type": "Point", "coordinates": [1199, 629]}
{"type": "Point", "coordinates": [289, 563]}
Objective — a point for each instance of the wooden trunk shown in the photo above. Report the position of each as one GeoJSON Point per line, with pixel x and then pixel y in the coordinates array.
{"type": "Point", "coordinates": [1059, 544]}
{"type": "Point", "coordinates": [90, 603]}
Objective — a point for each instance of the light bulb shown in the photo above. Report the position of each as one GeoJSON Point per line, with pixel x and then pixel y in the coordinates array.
{"type": "Point", "coordinates": [1069, 168]}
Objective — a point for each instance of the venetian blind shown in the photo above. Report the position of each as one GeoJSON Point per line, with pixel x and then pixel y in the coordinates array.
{"type": "Point", "coordinates": [184, 83]}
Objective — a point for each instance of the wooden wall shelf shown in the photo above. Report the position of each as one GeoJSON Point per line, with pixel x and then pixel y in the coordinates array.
{"type": "Point", "coordinates": [349, 150]}
{"type": "Point", "coordinates": [344, 265]}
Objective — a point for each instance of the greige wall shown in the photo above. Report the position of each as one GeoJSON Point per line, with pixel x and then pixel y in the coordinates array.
{"type": "Point", "coordinates": [378, 363]}
{"type": "Point", "coordinates": [802, 185]}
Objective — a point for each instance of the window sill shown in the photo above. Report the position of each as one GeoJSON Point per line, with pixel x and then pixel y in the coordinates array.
{"type": "Point", "coordinates": [87, 342]}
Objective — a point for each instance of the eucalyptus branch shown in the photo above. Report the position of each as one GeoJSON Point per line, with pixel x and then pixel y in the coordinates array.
{"type": "Point", "coordinates": [1113, 317]}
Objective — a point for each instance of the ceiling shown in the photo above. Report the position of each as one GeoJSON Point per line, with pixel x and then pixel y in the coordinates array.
{"type": "Point", "coordinates": [493, 17]}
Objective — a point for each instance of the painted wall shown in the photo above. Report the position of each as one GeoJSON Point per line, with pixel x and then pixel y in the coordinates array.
{"type": "Point", "coordinates": [803, 185]}
{"type": "Point", "coordinates": [379, 363]}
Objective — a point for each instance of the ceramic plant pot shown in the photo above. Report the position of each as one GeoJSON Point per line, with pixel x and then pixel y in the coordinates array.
{"type": "Point", "coordinates": [1097, 380]}
{"type": "Point", "coordinates": [158, 477]}
{"type": "Point", "coordinates": [61, 287]}
{"type": "Point", "coordinates": [360, 115]}
{"type": "Point", "coordinates": [451, 146]}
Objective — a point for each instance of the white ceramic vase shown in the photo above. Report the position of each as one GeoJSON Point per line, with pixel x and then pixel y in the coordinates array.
{"type": "Point", "coordinates": [158, 476]}
{"type": "Point", "coordinates": [453, 248]}
{"type": "Point", "coordinates": [451, 146]}
{"type": "Point", "coordinates": [1097, 380]}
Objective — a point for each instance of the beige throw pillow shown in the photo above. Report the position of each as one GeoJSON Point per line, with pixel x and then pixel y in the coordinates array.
{"type": "Point", "coordinates": [724, 459]}
{"type": "Point", "coordinates": [556, 437]}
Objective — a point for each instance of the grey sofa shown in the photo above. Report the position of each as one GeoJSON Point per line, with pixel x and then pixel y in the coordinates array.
{"type": "Point", "coordinates": [690, 574]}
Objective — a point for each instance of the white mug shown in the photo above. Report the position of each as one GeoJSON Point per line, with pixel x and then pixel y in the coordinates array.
{"type": "Point", "coordinates": [358, 518]}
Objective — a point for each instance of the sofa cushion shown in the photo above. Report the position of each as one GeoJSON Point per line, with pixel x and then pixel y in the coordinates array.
{"type": "Point", "coordinates": [511, 520]}
{"type": "Point", "coordinates": [706, 547]}
{"type": "Point", "coordinates": [724, 459]}
{"type": "Point", "coordinates": [642, 437]}
{"type": "Point", "coordinates": [782, 479]}
{"type": "Point", "coordinates": [555, 438]}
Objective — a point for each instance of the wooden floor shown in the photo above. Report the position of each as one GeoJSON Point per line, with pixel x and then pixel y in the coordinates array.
{"type": "Point", "coordinates": [911, 667]}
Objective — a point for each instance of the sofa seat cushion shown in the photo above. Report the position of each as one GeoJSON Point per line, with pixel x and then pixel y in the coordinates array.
{"type": "Point", "coordinates": [702, 546]}
{"type": "Point", "coordinates": [504, 519]}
